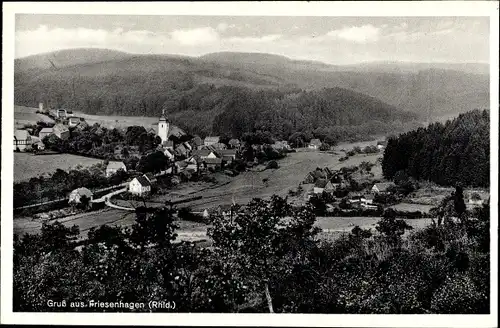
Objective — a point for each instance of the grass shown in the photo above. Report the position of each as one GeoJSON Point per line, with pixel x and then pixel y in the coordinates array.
{"type": "Point", "coordinates": [27, 165]}
{"type": "Point", "coordinates": [27, 115]}
{"type": "Point", "coordinates": [412, 207]}
{"type": "Point", "coordinates": [119, 121]}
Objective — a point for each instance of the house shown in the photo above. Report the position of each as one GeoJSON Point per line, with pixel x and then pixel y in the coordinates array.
{"type": "Point", "coordinates": [113, 167]}
{"type": "Point", "coordinates": [169, 144]}
{"type": "Point", "coordinates": [139, 186]}
{"type": "Point", "coordinates": [205, 153]}
{"type": "Point", "coordinates": [228, 153]}
{"type": "Point", "coordinates": [369, 206]}
{"type": "Point", "coordinates": [22, 140]}
{"type": "Point", "coordinates": [45, 132]}
{"type": "Point", "coordinates": [61, 131]}
{"type": "Point", "coordinates": [75, 197]}
{"type": "Point", "coordinates": [314, 144]}
{"type": "Point", "coordinates": [74, 121]}
{"type": "Point", "coordinates": [169, 153]}
{"type": "Point", "coordinates": [234, 144]}
{"type": "Point", "coordinates": [218, 146]}
{"type": "Point", "coordinates": [82, 125]}
{"type": "Point", "coordinates": [181, 150]}
{"type": "Point", "coordinates": [213, 163]}
{"type": "Point", "coordinates": [61, 113]}
{"type": "Point", "coordinates": [310, 178]}
{"type": "Point", "coordinates": [474, 200]}
{"type": "Point", "coordinates": [211, 140]}
{"type": "Point", "coordinates": [151, 178]}
{"type": "Point", "coordinates": [69, 113]}
{"type": "Point", "coordinates": [323, 185]}
{"type": "Point", "coordinates": [366, 199]}
{"type": "Point", "coordinates": [180, 165]}
{"type": "Point", "coordinates": [382, 187]}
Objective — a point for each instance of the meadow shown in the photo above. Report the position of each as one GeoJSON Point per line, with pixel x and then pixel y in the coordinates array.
{"type": "Point", "coordinates": [27, 165]}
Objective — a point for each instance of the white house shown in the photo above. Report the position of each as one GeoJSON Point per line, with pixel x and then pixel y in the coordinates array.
{"type": "Point", "coordinates": [22, 140]}
{"type": "Point", "coordinates": [61, 131]}
{"type": "Point", "coordinates": [139, 186]}
{"type": "Point", "coordinates": [314, 144]}
{"type": "Point", "coordinates": [381, 187]}
{"type": "Point", "coordinates": [76, 195]}
{"type": "Point", "coordinates": [74, 121]}
{"type": "Point", "coordinates": [113, 167]}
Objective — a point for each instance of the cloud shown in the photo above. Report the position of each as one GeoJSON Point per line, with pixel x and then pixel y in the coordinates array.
{"type": "Point", "coordinates": [195, 36]}
{"type": "Point", "coordinates": [358, 34]}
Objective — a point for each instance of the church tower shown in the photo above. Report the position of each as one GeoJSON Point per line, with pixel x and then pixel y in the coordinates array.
{"type": "Point", "coordinates": [163, 127]}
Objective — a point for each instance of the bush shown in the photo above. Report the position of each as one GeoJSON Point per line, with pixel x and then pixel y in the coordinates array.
{"type": "Point", "coordinates": [459, 295]}
{"type": "Point", "coordinates": [272, 165]}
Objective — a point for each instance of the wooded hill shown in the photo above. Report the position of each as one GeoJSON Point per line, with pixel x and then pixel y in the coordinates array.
{"type": "Point", "coordinates": [451, 153]}
{"type": "Point", "coordinates": [195, 90]}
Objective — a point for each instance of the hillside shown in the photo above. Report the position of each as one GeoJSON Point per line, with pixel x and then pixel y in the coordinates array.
{"type": "Point", "coordinates": [455, 152]}
{"type": "Point", "coordinates": [109, 82]}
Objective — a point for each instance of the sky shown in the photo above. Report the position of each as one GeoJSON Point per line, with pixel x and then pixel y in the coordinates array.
{"type": "Point", "coordinates": [334, 40]}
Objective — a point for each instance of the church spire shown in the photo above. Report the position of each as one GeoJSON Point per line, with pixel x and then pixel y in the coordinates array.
{"type": "Point", "coordinates": [163, 118]}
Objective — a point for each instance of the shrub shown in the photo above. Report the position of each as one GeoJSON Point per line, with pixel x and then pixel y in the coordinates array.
{"type": "Point", "coordinates": [272, 165]}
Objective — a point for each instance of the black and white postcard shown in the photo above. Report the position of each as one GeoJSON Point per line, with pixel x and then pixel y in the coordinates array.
{"type": "Point", "coordinates": [291, 164]}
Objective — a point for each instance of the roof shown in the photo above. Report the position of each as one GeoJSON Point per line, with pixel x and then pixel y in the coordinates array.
{"type": "Point", "coordinates": [234, 141]}
{"type": "Point", "coordinates": [212, 161]}
{"type": "Point", "coordinates": [47, 130]}
{"type": "Point", "coordinates": [197, 141]}
{"type": "Point", "coordinates": [149, 176]}
{"type": "Point", "coordinates": [181, 163]}
{"type": "Point", "coordinates": [115, 166]}
{"type": "Point", "coordinates": [382, 186]}
{"type": "Point", "coordinates": [227, 152]}
{"type": "Point", "coordinates": [143, 181]}
{"type": "Point", "coordinates": [21, 134]}
{"type": "Point", "coordinates": [321, 183]}
{"type": "Point", "coordinates": [316, 142]}
{"type": "Point", "coordinates": [212, 139]}
{"type": "Point", "coordinates": [227, 158]}
{"type": "Point", "coordinates": [82, 192]}
{"type": "Point", "coordinates": [202, 152]}
{"type": "Point", "coordinates": [168, 143]}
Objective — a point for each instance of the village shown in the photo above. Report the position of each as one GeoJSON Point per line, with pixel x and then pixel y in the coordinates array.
{"type": "Point", "coordinates": [356, 190]}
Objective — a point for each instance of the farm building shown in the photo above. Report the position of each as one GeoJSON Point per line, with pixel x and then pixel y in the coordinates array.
{"type": "Point", "coordinates": [213, 163]}
{"type": "Point", "coordinates": [382, 187]}
{"type": "Point", "coordinates": [323, 185]}
{"type": "Point", "coordinates": [280, 145]}
{"type": "Point", "coordinates": [45, 132]}
{"type": "Point", "coordinates": [139, 186]}
{"type": "Point", "coordinates": [314, 144]}
{"type": "Point", "coordinates": [61, 131]}
{"type": "Point", "coordinates": [82, 125]}
{"type": "Point", "coordinates": [22, 140]}
{"type": "Point", "coordinates": [218, 146]}
{"type": "Point", "coordinates": [366, 199]}
{"type": "Point", "coordinates": [113, 167]}
{"type": "Point", "coordinates": [76, 196]}
{"type": "Point", "coordinates": [211, 140]}
{"type": "Point", "coordinates": [180, 165]}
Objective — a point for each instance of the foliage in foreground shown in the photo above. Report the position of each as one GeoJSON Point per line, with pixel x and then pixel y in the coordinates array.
{"type": "Point", "coordinates": [265, 257]}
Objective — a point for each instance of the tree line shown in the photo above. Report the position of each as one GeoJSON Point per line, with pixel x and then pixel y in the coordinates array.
{"type": "Point", "coordinates": [455, 152]}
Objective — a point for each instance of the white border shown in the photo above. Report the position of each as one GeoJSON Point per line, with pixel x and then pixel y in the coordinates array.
{"type": "Point", "coordinates": [400, 8]}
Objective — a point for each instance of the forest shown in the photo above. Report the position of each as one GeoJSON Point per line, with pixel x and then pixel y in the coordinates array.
{"type": "Point", "coordinates": [455, 152]}
{"type": "Point", "coordinates": [264, 257]}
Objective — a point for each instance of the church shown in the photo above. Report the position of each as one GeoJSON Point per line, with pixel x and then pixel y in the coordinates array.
{"type": "Point", "coordinates": [166, 129]}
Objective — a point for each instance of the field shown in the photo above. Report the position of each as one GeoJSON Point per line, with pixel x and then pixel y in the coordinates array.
{"type": "Point", "coordinates": [119, 121]}
{"type": "Point", "coordinates": [27, 165]}
{"type": "Point", "coordinates": [27, 115]}
{"type": "Point", "coordinates": [412, 207]}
